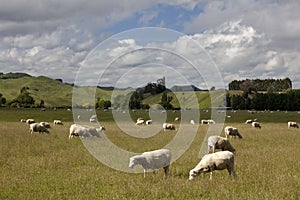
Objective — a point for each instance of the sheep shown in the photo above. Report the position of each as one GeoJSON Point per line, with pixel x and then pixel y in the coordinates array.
{"type": "Point", "coordinates": [30, 121]}
{"type": "Point", "coordinates": [249, 121]}
{"type": "Point", "coordinates": [23, 120]}
{"type": "Point", "coordinates": [256, 125]}
{"type": "Point", "coordinates": [207, 121]}
{"type": "Point", "coordinates": [93, 118]}
{"type": "Point", "coordinates": [84, 132]}
{"type": "Point", "coordinates": [218, 142]}
{"type": "Point", "coordinates": [46, 124]}
{"type": "Point", "coordinates": [169, 126]}
{"type": "Point", "coordinates": [293, 124]}
{"type": "Point", "coordinates": [140, 121]}
{"type": "Point", "coordinates": [153, 160]}
{"type": "Point", "coordinates": [192, 122]}
{"type": "Point", "coordinates": [148, 122]}
{"type": "Point", "coordinates": [232, 131]}
{"type": "Point", "coordinates": [37, 127]}
{"type": "Point", "coordinates": [57, 122]}
{"type": "Point", "coordinates": [215, 161]}
{"type": "Point", "coordinates": [176, 119]}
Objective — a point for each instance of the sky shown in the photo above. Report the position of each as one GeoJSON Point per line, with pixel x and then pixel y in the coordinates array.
{"type": "Point", "coordinates": [130, 43]}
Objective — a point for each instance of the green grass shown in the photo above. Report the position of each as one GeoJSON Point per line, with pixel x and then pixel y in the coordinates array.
{"type": "Point", "coordinates": [42, 166]}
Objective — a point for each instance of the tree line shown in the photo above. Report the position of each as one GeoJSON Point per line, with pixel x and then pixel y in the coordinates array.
{"type": "Point", "coordinates": [259, 95]}
{"type": "Point", "coordinates": [269, 85]}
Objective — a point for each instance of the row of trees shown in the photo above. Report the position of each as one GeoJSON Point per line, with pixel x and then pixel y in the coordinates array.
{"type": "Point", "coordinates": [269, 85]}
{"type": "Point", "coordinates": [289, 100]}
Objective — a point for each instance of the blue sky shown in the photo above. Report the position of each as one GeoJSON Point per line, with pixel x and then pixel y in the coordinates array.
{"type": "Point", "coordinates": [244, 39]}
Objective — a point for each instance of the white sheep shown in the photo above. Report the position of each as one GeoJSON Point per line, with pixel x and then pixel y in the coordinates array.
{"type": "Point", "coordinates": [218, 142]}
{"type": "Point", "coordinates": [207, 121]}
{"type": "Point", "coordinates": [140, 121]}
{"type": "Point", "coordinates": [46, 124]}
{"type": "Point", "coordinates": [23, 120]}
{"type": "Point", "coordinates": [30, 121]}
{"type": "Point", "coordinates": [176, 119]}
{"type": "Point", "coordinates": [169, 126]}
{"type": "Point", "coordinates": [215, 161]}
{"type": "Point", "coordinates": [57, 122]}
{"type": "Point", "coordinates": [256, 125]}
{"type": "Point", "coordinates": [93, 118]}
{"type": "Point", "coordinates": [192, 122]}
{"type": "Point", "coordinates": [148, 122]}
{"type": "Point", "coordinates": [232, 131]}
{"type": "Point", "coordinates": [293, 124]}
{"type": "Point", "coordinates": [84, 132]}
{"type": "Point", "coordinates": [37, 127]}
{"type": "Point", "coordinates": [249, 121]}
{"type": "Point", "coordinates": [153, 160]}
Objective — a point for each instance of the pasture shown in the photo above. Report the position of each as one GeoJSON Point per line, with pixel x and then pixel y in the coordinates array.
{"type": "Point", "coordinates": [41, 166]}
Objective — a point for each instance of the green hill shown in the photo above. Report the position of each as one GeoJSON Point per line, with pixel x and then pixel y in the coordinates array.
{"type": "Point", "coordinates": [53, 92]}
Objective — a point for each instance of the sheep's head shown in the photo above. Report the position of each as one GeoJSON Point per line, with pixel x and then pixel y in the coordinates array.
{"type": "Point", "coordinates": [193, 174]}
{"type": "Point", "coordinates": [132, 162]}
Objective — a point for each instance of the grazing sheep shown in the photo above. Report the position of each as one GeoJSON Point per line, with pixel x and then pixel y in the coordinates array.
{"type": "Point", "coordinates": [215, 161]}
{"type": "Point", "coordinates": [84, 132]}
{"type": "Point", "coordinates": [207, 121]}
{"type": "Point", "coordinates": [57, 122]}
{"type": "Point", "coordinates": [30, 121]}
{"type": "Point", "coordinates": [148, 122]}
{"type": "Point", "coordinates": [256, 125]}
{"type": "Point", "coordinates": [218, 142]}
{"type": "Point", "coordinates": [152, 160]}
{"type": "Point", "coordinates": [249, 121]}
{"type": "Point", "coordinates": [37, 127]}
{"type": "Point", "coordinates": [93, 118]}
{"type": "Point", "coordinates": [46, 124]}
{"type": "Point", "coordinates": [140, 121]}
{"type": "Point", "coordinates": [176, 119]}
{"type": "Point", "coordinates": [232, 131]}
{"type": "Point", "coordinates": [23, 120]}
{"type": "Point", "coordinates": [293, 124]}
{"type": "Point", "coordinates": [169, 126]}
{"type": "Point", "coordinates": [192, 122]}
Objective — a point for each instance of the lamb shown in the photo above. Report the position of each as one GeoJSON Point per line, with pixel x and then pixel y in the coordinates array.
{"type": "Point", "coordinates": [57, 122]}
{"type": "Point", "coordinates": [84, 132]}
{"type": "Point", "coordinates": [37, 127]}
{"type": "Point", "coordinates": [218, 142]}
{"type": "Point", "coordinates": [215, 161]}
{"type": "Point", "coordinates": [169, 126]}
{"type": "Point", "coordinates": [256, 125]}
{"type": "Point", "coordinates": [293, 124]}
{"type": "Point", "coordinates": [30, 121]}
{"type": "Point", "coordinates": [232, 131]}
{"type": "Point", "coordinates": [46, 124]}
{"type": "Point", "coordinates": [153, 160]}
{"type": "Point", "coordinates": [140, 121]}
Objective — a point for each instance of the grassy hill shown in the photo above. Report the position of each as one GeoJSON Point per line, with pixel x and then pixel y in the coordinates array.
{"type": "Point", "coordinates": [53, 92]}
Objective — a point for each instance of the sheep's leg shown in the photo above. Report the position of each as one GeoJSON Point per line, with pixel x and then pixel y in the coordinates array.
{"type": "Point", "coordinates": [145, 173]}
{"type": "Point", "coordinates": [166, 170]}
{"type": "Point", "coordinates": [210, 176]}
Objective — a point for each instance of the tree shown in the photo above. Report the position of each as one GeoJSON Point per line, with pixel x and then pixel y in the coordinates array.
{"type": "Point", "coordinates": [24, 100]}
{"type": "Point", "coordinates": [166, 101]}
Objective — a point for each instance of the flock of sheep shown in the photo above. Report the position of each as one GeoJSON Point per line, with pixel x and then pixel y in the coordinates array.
{"type": "Point", "coordinates": [210, 162]}
{"type": "Point", "coordinates": [161, 158]}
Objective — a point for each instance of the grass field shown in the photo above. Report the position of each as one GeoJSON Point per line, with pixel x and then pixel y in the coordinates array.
{"type": "Point", "coordinates": [41, 166]}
